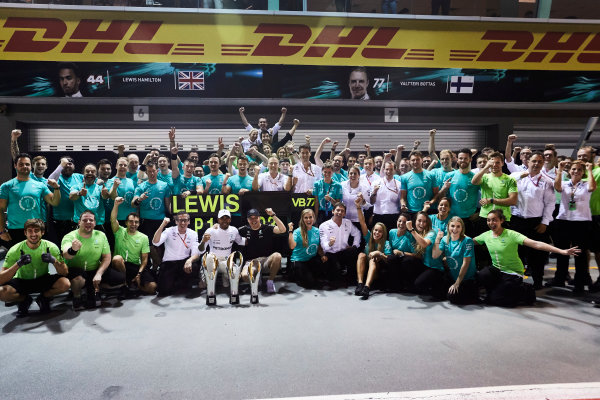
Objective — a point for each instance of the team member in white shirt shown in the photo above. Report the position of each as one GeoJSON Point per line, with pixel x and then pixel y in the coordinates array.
{"type": "Point", "coordinates": [533, 213]}
{"type": "Point", "coordinates": [350, 191]}
{"type": "Point", "coordinates": [179, 263]}
{"type": "Point", "coordinates": [220, 240]}
{"type": "Point", "coordinates": [385, 198]}
{"type": "Point", "coordinates": [305, 173]}
{"type": "Point", "coordinates": [270, 181]}
{"type": "Point", "coordinates": [340, 257]}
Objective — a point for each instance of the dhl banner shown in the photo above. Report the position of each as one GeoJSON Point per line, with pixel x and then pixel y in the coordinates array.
{"type": "Point", "coordinates": [264, 39]}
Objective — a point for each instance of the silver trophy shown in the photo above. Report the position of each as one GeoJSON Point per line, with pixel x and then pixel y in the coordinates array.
{"type": "Point", "coordinates": [254, 276]}
{"type": "Point", "coordinates": [210, 263]}
{"type": "Point", "coordinates": [234, 269]}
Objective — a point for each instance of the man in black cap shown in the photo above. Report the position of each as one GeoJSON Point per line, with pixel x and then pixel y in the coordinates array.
{"type": "Point", "coordinates": [259, 245]}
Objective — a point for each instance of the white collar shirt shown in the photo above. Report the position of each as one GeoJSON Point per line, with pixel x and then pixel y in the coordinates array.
{"type": "Point", "coordinates": [535, 197]}
{"type": "Point", "coordinates": [306, 177]}
{"type": "Point", "coordinates": [388, 197]}
{"type": "Point", "coordinates": [266, 183]}
{"type": "Point", "coordinates": [178, 246]}
{"type": "Point", "coordinates": [349, 194]}
{"type": "Point", "coordinates": [342, 233]}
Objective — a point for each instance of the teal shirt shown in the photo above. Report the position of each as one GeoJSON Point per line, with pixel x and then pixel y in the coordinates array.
{"type": "Point", "coordinates": [237, 182]}
{"type": "Point", "coordinates": [301, 253]}
{"type": "Point", "coordinates": [321, 189]}
{"type": "Point", "coordinates": [182, 184]}
{"type": "Point", "coordinates": [387, 248]}
{"type": "Point", "coordinates": [43, 203]}
{"type": "Point", "coordinates": [438, 224]}
{"type": "Point", "coordinates": [428, 260]}
{"type": "Point", "coordinates": [24, 200]}
{"type": "Point", "coordinates": [455, 251]}
{"type": "Point", "coordinates": [154, 206]}
{"type": "Point", "coordinates": [340, 177]}
{"type": "Point", "coordinates": [64, 210]}
{"type": "Point", "coordinates": [133, 177]}
{"type": "Point", "coordinates": [167, 178]}
{"type": "Point", "coordinates": [465, 195]}
{"type": "Point", "coordinates": [405, 243]}
{"type": "Point", "coordinates": [419, 188]}
{"type": "Point", "coordinates": [92, 201]}
{"type": "Point", "coordinates": [125, 190]}
{"type": "Point", "coordinates": [216, 183]}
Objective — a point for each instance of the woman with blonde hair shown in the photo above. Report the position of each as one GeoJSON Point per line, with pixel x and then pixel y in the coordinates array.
{"type": "Point", "coordinates": [375, 254]}
{"type": "Point", "coordinates": [460, 258]}
{"type": "Point", "coordinates": [307, 255]}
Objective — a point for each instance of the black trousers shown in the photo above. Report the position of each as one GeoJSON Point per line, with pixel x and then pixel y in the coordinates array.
{"type": "Point", "coordinates": [61, 228]}
{"type": "Point", "coordinates": [172, 277]}
{"type": "Point", "coordinates": [403, 271]}
{"type": "Point", "coordinates": [432, 282]}
{"type": "Point", "coordinates": [342, 265]}
{"type": "Point", "coordinates": [505, 290]}
{"type": "Point", "coordinates": [535, 259]}
{"type": "Point", "coordinates": [568, 234]}
{"type": "Point", "coordinates": [468, 293]}
{"type": "Point", "coordinates": [306, 273]}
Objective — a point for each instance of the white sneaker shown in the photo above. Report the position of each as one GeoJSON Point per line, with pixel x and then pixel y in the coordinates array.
{"type": "Point", "coordinates": [271, 286]}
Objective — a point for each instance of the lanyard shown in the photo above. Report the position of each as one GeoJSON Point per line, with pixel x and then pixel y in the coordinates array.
{"type": "Point", "coordinates": [395, 189]}
{"type": "Point", "coordinates": [183, 239]}
{"type": "Point", "coordinates": [309, 172]}
{"type": "Point", "coordinates": [537, 184]}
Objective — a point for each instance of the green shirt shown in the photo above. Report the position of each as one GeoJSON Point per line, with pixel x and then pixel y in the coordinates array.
{"type": "Point", "coordinates": [131, 247]}
{"type": "Point", "coordinates": [595, 198]}
{"type": "Point", "coordinates": [504, 250]}
{"type": "Point", "coordinates": [496, 187]}
{"type": "Point", "coordinates": [92, 249]}
{"type": "Point", "coordinates": [36, 268]}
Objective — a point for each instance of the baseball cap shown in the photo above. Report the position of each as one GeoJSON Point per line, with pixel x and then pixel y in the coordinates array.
{"type": "Point", "coordinates": [224, 213]}
{"type": "Point", "coordinates": [253, 213]}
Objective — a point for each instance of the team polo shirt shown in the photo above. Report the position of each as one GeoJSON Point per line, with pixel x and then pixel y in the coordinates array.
{"type": "Point", "coordinates": [306, 177]}
{"type": "Point", "coordinates": [496, 187]}
{"type": "Point", "coordinates": [90, 254]}
{"type": "Point", "coordinates": [387, 248]}
{"type": "Point", "coordinates": [504, 250]}
{"type": "Point", "coordinates": [183, 184]}
{"type": "Point", "coordinates": [178, 246]}
{"type": "Point", "coordinates": [167, 178]}
{"type": "Point", "coordinates": [154, 206]}
{"type": "Point", "coordinates": [64, 210]}
{"type": "Point", "coordinates": [405, 243]}
{"type": "Point", "coordinates": [455, 252]}
{"type": "Point", "coordinates": [388, 197]}
{"type": "Point", "coordinates": [465, 195]}
{"type": "Point", "coordinates": [36, 268]}
{"type": "Point", "coordinates": [341, 176]}
{"type": "Point", "coordinates": [266, 183]}
{"type": "Point", "coordinates": [428, 260]}
{"type": "Point", "coordinates": [24, 201]}
{"type": "Point", "coordinates": [215, 185]}
{"type": "Point", "coordinates": [92, 201]}
{"type": "Point", "coordinates": [322, 189]}
{"type": "Point", "coordinates": [43, 204]}
{"type": "Point", "coordinates": [221, 241]}
{"type": "Point", "coordinates": [419, 188]}
{"type": "Point", "coordinates": [439, 224]}
{"type": "Point", "coordinates": [302, 253]}
{"type": "Point", "coordinates": [126, 190]}
{"type": "Point", "coordinates": [131, 247]}
{"type": "Point", "coordinates": [237, 183]}
{"type": "Point", "coordinates": [441, 175]}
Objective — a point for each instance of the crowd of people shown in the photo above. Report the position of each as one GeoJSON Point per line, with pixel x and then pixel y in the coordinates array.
{"type": "Point", "coordinates": [427, 223]}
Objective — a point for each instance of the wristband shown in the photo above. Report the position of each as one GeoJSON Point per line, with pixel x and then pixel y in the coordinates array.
{"type": "Point", "coordinates": [72, 252]}
{"type": "Point", "coordinates": [492, 200]}
{"type": "Point", "coordinates": [173, 156]}
{"type": "Point", "coordinates": [137, 202]}
{"type": "Point", "coordinates": [411, 230]}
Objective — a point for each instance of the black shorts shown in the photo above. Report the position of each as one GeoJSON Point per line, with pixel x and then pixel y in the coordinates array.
{"type": "Point", "coordinates": [111, 276]}
{"type": "Point", "coordinates": [132, 270]}
{"type": "Point", "coordinates": [37, 285]}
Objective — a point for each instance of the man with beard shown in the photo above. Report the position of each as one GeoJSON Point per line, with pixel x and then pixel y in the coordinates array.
{"type": "Point", "coordinates": [184, 184]}
{"type": "Point", "coordinates": [498, 190]}
{"type": "Point", "coordinates": [418, 185]}
{"type": "Point", "coordinates": [25, 270]}
{"type": "Point", "coordinates": [89, 195]}
{"type": "Point", "coordinates": [63, 212]}
{"type": "Point", "coordinates": [21, 199]}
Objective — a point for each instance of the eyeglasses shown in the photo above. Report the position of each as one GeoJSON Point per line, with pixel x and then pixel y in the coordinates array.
{"type": "Point", "coordinates": [183, 219]}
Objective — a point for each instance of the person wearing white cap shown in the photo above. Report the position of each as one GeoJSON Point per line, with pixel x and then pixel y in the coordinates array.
{"type": "Point", "coordinates": [220, 240]}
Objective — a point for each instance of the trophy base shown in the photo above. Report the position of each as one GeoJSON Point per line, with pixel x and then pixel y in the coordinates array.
{"type": "Point", "coordinates": [234, 299]}
{"type": "Point", "coordinates": [254, 299]}
{"type": "Point", "coordinates": [211, 300]}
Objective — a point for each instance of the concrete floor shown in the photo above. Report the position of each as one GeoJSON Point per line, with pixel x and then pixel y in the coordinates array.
{"type": "Point", "coordinates": [294, 343]}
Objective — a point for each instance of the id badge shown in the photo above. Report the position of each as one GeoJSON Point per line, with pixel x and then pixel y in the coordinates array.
{"type": "Point", "coordinates": [572, 206]}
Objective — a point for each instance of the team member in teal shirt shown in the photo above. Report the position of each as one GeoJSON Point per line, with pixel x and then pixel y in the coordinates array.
{"type": "Point", "coordinates": [63, 212]}
{"type": "Point", "coordinates": [122, 186]}
{"type": "Point", "coordinates": [21, 199]}
{"type": "Point", "coordinates": [439, 221]}
{"type": "Point", "coordinates": [307, 256]}
{"type": "Point", "coordinates": [431, 280]}
{"type": "Point", "coordinates": [88, 195]}
{"type": "Point", "coordinates": [213, 182]}
{"type": "Point", "coordinates": [460, 258]}
{"type": "Point", "coordinates": [417, 186]}
{"type": "Point", "coordinates": [503, 281]}
{"type": "Point", "coordinates": [186, 183]}
{"type": "Point", "coordinates": [328, 192]}
{"type": "Point", "coordinates": [376, 252]}
{"type": "Point", "coordinates": [239, 184]}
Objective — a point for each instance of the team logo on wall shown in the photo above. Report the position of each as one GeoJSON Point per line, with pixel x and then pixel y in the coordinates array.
{"type": "Point", "coordinates": [190, 80]}
{"type": "Point", "coordinates": [461, 84]}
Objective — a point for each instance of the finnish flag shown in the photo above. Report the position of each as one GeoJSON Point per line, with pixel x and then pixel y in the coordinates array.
{"type": "Point", "coordinates": [462, 84]}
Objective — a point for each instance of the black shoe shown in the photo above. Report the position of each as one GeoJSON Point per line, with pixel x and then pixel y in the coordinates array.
{"type": "Point", "coordinates": [43, 303]}
{"type": "Point", "coordinates": [77, 303]}
{"type": "Point", "coordinates": [555, 283]}
{"type": "Point", "coordinates": [365, 293]}
{"type": "Point", "coordinates": [359, 289]}
{"type": "Point", "coordinates": [595, 287]}
{"type": "Point", "coordinates": [123, 293]}
{"type": "Point", "coordinates": [538, 286]}
{"type": "Point", "coordinates": [24, 305]}
{"type": "Point", "coordinates": [578, 291]}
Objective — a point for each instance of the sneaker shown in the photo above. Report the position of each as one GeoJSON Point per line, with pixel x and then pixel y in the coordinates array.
{"type": "Point", "coordinates": [359, 288]}
{"type": "Point", "coordinates": [77, 303]}
{"type": "Point", "coordinates": [123, 293]}
{"type": "Point", "coordinates": [271, 286]}
{"type": "Point", "coordinates": [43, 303]}
{"type": "Point", "coordinates": [365, 293]}
{"type": "Point", "coordinates": [23, 307]}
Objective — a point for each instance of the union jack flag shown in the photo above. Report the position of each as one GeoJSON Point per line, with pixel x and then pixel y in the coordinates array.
{"type": "Point", "coordinates": [190, 80]}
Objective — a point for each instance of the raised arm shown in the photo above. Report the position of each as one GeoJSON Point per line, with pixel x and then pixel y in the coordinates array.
{"type": "Point", "coordinates": [114, 223]}
{"type": "Point", "coordinates": [477, 178]}
{"type": "Point", "coordinates": [14, 144]}
{"type": "Point", "coordinates": [159, 231]}
{"type": "Point", "coordinates": [53, 198]}
{"type": "Point", "coordinates": [398, 156]}
{"type": "Point", "coordinates": [508, 150]}
{"type": "Point", "coordinates": [243, 117]}
{"type": "Point", "coordinates": [279, 226]}
{"type": "Point", "coordinates": [361, 217]}
{"type": "Point", "coordinates": [318, 160]}
{"type": "Point", "coordinates": [591, 181]}
{"type": "Point", "coordinates": [291, 241]}
{"type": "Point", "coordinates": [282, 117]}
{"type": "Point", "coordinates": [431, 148]}
{"type": "Point", "coordinates": [175, 161]}
{"type": "Point", "coordinates": [436, 252]}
